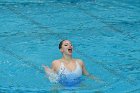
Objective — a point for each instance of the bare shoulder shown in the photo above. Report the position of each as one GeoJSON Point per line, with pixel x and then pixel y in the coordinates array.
{"type": "Point", "coordinates": [80, 61]}
{"type": "Point", "coordinates": [56, 62]}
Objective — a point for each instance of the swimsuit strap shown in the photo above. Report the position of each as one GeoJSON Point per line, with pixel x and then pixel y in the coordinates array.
{"type": "Point", "coordinates": [78, 67]}
{"type": "Point", "coordinates": [62, 65]}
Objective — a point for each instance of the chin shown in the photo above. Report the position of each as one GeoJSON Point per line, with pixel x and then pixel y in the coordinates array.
{"type": "Point", "coordinates": [70, 54]}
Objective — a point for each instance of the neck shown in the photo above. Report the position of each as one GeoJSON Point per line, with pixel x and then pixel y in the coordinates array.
{"type": "Point", "coordinates": [67, 58]}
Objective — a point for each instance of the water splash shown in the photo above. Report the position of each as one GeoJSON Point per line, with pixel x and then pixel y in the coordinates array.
{"type": "Point", "coordinates": [68, 80]}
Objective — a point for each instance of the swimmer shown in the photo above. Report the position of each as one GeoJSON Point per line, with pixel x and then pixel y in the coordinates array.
{"type": "Point", "coordinates": [68, 68]}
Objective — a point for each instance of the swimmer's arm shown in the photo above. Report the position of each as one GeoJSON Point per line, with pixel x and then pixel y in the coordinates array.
{"type": "Point", "coordinates": [52, 69]}
{"type": "Point", "coordinates": [54, 66]}
{"type": "Point", "coordinates": [85, 72]}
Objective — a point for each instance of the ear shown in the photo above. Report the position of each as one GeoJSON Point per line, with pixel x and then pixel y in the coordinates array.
{"type": "Point", "coordinates": [61, 50]}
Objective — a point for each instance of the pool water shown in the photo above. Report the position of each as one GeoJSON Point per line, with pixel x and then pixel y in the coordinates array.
{"type": "Point", "coordinates": [105, 35]}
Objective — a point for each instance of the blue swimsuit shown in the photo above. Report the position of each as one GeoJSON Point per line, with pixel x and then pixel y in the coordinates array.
{"type": "Point", "coordinates": [65, 76]}
{"type": "Point", "coordinates": [69, 78]}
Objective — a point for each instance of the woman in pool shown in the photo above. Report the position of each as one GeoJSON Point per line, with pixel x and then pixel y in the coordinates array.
{"type": "Point", "coordinates": [68, 69]}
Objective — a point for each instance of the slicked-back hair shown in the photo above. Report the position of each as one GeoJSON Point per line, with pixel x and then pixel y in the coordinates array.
{"type": "Point", "coordinates": [60, 44]}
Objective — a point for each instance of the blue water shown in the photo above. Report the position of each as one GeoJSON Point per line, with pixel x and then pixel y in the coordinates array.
{"type": "Point", "coordinates": [105, 35]}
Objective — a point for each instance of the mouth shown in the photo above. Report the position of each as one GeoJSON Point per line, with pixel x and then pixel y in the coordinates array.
{"type": "Point", "coordinates": [70, 50]}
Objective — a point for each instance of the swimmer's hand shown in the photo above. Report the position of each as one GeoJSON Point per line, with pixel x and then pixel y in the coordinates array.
{"type": "Point", "coordinates": [47, 69]}
{"type": "Point", "coordinates": [51, 75]}
{"type": "Point", "coordinates": [95, 78]}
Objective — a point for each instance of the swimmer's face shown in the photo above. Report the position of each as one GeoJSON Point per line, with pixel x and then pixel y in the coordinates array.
{"type": "Point", "coordinates": [66, 47]}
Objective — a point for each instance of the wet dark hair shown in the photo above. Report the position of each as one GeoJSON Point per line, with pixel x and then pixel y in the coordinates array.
{"type": "Point", "coordinates": [60, 44]}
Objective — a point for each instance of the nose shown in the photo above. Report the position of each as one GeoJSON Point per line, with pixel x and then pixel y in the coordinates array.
{"type": "Point", "coordinates": [70, 46]}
